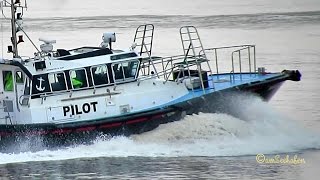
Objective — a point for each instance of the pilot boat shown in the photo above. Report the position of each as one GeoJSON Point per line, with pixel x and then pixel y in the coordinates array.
{"type": "Point", "coordinates": [72, 96]}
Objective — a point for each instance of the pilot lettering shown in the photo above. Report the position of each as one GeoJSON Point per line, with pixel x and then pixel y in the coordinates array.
{"type": "Point", "coordinates": [78, 109]}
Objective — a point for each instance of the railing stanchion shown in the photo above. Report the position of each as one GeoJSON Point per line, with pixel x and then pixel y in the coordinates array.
{"type": "Point", "coordinates": [249, 56]}
{"type": "Point", "coordinates": [254, 58]}
{"type": "Point", "coordinates": [216, 57]}
{"type": "Point", "coordinates": [232, 64]}
{"type": "Point", "coordinates": [240, 68]}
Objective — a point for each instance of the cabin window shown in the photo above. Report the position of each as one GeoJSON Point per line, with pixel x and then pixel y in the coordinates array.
{"type": "Point", "coordinates": [78, 78]}
{"type": "Point", "coordinates": [19, 77]}
{"type": "Point", "coordinates": [130, 69]}
{"type": "Point", "coordinates": [118, 72]}
{"type": "Point", "coordinates": [125, 70]}
{"type": "Point", "coordinates": [57, 81]}
{"type": "Point", "coordinates": [100, 75]}
{"type": "Point", "coordinates": [27, 87]}
{"type": "Point", "coordinates": [7, 80]}
{"type": "Point", "coordinates": [26, 93]}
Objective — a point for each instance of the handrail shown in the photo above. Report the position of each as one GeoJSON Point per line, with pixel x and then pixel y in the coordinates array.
{"type": "Point", "coordinates": [249, 57]}
{"type": "Point", "coordinates": [47, 94]}
{"type": "Point", "coordinates": [228, 47]}
{"type": "Point", "coordinates": [241, 48]}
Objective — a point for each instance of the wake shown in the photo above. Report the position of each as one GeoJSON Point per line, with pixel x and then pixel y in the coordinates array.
{"type": "Point", "coordinates": [254, 128]}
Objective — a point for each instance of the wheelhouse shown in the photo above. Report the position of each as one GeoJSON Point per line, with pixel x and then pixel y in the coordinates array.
{"type": "Point", "coordinates": [108, 74]}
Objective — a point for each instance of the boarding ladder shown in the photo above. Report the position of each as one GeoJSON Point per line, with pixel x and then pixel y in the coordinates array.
{"type": "Point", "coordinates": [143, 41]}
{"type": "Point", "coordinates": [194, 54]}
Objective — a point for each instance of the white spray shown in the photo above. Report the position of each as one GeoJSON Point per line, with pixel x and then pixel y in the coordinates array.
{"type": "Point", "coordinates": [258, 128]}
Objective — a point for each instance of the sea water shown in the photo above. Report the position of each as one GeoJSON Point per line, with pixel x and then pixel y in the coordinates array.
{"type": "Point", "coordinates": [207, 146]}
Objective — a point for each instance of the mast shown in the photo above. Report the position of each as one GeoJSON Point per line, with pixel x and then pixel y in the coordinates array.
{"type": "Point", "coordinates": [14, 29]}
{"type": "Point", "coordinates": [16, 24]}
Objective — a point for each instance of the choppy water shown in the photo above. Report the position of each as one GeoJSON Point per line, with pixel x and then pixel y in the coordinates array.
{"type": "Point", "coordinates": [243, 21]}
{"type": "Point", "coordinates": [207, 146]}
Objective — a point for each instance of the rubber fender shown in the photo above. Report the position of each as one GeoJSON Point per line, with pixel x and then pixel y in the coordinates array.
{"type": "Point", "coordinates": [293, 75]}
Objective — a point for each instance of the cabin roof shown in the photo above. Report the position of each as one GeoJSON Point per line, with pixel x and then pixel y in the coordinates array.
{"type": "Point", "coordinates": [83, 52]}
{"type": "Point", "coordinates": [73, 59]}
{"type": "Point", "coordinates": [79, 58]}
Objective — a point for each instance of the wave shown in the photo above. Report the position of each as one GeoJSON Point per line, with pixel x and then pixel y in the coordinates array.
{"type": "Point", "coordinates": [246, 21]}
{"type": "Point", "coordinates": [257, 128]}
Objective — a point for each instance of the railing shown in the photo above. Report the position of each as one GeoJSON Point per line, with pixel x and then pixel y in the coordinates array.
{"type": "Point", "coordinates": [249, 57]}
{"type": "Point", "coordinates": [240, 53]}
{"type": "Point", "coordinates": [171, 64]}
{"type": "Point", "coordinates": [167, 66]}
{"type": "Point", "coordinates": [24, 100]}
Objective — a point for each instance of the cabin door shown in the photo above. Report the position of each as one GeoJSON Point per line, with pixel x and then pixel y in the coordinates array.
{"type": "Point", "coordinates": [19, 87]}
{"type": "Point", "coordinates": [8, 105]}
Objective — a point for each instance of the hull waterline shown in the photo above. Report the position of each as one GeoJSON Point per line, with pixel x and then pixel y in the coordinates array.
{"type": "Point", "coordinates": [85, 132]}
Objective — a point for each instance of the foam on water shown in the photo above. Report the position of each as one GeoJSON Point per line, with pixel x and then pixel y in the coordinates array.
{"type": "Point", "coordinates": [257, 128]}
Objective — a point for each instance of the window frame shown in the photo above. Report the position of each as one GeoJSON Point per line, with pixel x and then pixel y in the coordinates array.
{"type": "Point", "coordinates": [114, 74]}
{"type": "Point", "coordinates": [125, 79]}
{"type": "Point", "coordinates": [4, 82]}
{"type": "Point", "coordinates": [137, 69]}
{"type": "Point", "coordinates": [22, 77]}
{"type": "Point", "coordinates": [92, 75]}
{"type": "Point", "coordinates": [27, 87]}
{"type": "Point", "coordinates": [65, 81]}
{"type": "Point", "coordinates": [86, 75]}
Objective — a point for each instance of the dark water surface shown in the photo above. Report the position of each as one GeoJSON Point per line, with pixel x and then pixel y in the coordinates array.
{"type": "Point", "coordinates": [154, 168]}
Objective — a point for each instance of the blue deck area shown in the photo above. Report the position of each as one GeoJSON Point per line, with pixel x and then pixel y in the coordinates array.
{"type": "Point", "coordinates": [225, 81]}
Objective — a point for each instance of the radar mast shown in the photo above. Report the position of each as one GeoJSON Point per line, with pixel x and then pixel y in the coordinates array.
{"type": "Point", "coordinates": [17, 9]}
